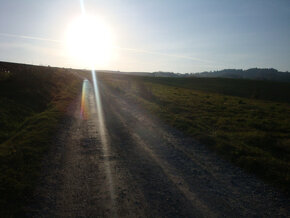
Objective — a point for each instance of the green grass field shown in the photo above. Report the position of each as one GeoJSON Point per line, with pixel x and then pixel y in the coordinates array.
{"type": "Point", "coordinates": [33, 101]}
{"type": "Point", "coordinates": [247, 122]}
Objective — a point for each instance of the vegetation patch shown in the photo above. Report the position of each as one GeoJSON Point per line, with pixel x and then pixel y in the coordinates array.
{"type": "Point", "coordinates": [33, 102]}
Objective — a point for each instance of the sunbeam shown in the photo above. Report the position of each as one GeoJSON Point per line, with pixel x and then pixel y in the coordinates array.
{"type": "Point", "coordinates": [104, 139]}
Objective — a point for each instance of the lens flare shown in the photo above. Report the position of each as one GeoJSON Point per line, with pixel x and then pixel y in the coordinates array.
{"type": "Point", "coordinates": [84, 101]}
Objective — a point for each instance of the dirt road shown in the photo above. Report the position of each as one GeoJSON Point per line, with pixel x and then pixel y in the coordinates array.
{"type": "Point", "coordinates": [135, 166]}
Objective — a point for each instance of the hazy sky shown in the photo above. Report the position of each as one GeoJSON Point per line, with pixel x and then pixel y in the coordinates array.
{"type": "Point", "coordinates": [168, 35]}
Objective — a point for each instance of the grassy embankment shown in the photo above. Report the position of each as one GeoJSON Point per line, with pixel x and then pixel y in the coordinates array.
{"type": "Point", "coordinates": [247, 122]}
{"type": "Point", "coordinates": [33, 100]}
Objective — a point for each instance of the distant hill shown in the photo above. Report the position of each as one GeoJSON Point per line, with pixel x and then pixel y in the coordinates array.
{"type": "Point", "coordinates": [253, 73]}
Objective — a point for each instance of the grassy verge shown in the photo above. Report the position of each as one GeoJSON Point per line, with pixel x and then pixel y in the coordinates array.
{"type": "Point", "coordinates": [34, 100]}
{"type": "Point", "coordinates": [253, 134]}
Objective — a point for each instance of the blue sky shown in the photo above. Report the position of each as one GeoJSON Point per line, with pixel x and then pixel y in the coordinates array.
{"type": "Point", "coordinates": [169, 35]}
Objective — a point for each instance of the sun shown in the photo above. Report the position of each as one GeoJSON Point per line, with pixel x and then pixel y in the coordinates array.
{"type": "Point", "coordinates": [89, 41]}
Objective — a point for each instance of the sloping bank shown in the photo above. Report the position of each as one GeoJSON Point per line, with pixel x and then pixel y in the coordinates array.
{"type": "Point", "coordinates": [33, 101]}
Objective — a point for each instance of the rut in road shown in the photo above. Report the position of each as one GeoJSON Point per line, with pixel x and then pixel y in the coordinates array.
{"type": "Point", "coordinates": [147, 170]}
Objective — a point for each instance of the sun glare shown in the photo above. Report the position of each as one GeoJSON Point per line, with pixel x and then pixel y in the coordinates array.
{"type": "Point", "coordinates": [89, 40]}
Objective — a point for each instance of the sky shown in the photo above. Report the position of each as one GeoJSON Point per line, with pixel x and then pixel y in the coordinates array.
{"type": "Point", "coordinates": [154, 35]}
